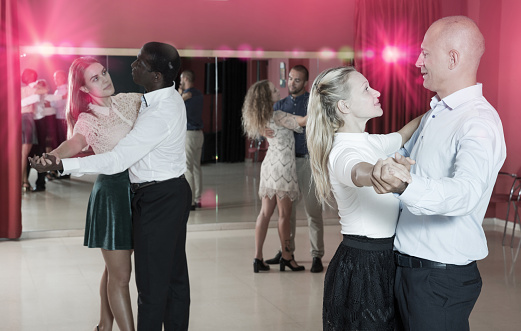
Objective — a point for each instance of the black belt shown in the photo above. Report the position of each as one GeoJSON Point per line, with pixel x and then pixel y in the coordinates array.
{"type": "Point", "coordinates": [194, 129]}
{"type": "Point", "coordinates": [134, 187]}
{"type": "Point", "coordinates": [407, 261]}
{"type": "Point", "coordinates": [301, 155]}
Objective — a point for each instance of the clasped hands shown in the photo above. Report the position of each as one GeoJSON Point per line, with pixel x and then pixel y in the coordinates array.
{"type": "Point", "coordinates": [46, 162]}
{"type": "Point", "coordinates": [392, 174]}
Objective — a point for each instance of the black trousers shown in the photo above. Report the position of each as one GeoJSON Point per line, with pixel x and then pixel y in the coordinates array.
{"type": "Point", "coordinates": [39, 149]}
{"type": "Point", "coordinates": [437, 299]}
{"type": "Point", "coordinates": [159, 214]}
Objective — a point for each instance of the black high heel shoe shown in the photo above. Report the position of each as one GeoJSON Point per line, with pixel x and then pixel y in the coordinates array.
{"type": "Point", "coordinates": [287, 263]}
{"type": "Point", "coordinates": [259, 265]}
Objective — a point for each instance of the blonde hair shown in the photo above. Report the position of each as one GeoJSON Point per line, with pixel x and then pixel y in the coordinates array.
{"type": "Point", "coordinates": [257, 109]}
{"type": "Point", "coordinates": [327, 90]}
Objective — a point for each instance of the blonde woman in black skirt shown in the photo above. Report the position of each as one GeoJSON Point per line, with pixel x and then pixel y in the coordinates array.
{"type": "Point", "coordinates": [358, 286]}
{"type": "Point", "coordinates": [99, 119]}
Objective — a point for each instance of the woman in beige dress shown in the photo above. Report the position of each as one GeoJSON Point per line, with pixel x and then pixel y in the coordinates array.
{"type": "Point", "coordinates": [278, 180]}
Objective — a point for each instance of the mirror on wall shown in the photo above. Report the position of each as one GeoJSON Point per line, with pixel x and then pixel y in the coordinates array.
{"type": "Point", "coordinates": [230, 162]}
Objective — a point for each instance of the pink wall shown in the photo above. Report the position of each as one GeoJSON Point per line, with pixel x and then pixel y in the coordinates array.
{"type": "Point", "coordinates": [500, 73]}
{"type": "Point", "coordinates": [271, 25]}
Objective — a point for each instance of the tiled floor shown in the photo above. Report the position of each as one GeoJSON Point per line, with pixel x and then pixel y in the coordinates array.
{"type": "Point", "coordinates": [49, 281]}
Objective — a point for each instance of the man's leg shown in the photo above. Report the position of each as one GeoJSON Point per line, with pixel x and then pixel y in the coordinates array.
{"type": "Point", "coordinates": [191, 149]}
{"type": "Point", "coordinates": [437, 299]}
{"type": "Point", "coordinates": [41, 132]}
{"type": "Point", "coordinates": [198, 175]}
{"type": "Point", "coordinates": [160, 213]}
{"type": "Point", "coordinates": [313, 207]}
{"type": "Point", "coordinates": [178, 301]}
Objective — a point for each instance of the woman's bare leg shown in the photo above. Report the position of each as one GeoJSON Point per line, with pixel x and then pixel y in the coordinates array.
{"type": "Point", "coordinates": [106, 318]}
{"type": "Point", "coordinates": [261, 226]}
{"type": "Point", "coordinates": [285, 206]}
{"type": "Point", "coordinates": [119, 268]}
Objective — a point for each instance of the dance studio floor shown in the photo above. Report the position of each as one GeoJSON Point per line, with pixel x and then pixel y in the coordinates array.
{"type": "Point", "coordinates": [49, 281]}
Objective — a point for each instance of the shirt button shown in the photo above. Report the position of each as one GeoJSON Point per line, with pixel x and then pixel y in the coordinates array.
{"type": "Point", "coordinates": [433, 116]}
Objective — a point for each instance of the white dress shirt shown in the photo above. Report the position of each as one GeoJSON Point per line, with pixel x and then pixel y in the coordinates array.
{"type": "Point", "coordinates": [154, 150]}
{"type": "Point", "coordinates": [459, 149]}
{"type": "Point", "coordinates": [58, 102]}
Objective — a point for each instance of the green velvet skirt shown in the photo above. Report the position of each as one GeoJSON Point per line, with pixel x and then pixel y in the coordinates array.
{"type": "Point", "coordinates": [109, 216]}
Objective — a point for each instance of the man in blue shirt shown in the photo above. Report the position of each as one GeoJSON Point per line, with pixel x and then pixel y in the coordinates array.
{"type": "Point", "coordinates": [194, 135]}
{"type": "Point", "coordinates": [297, 103]}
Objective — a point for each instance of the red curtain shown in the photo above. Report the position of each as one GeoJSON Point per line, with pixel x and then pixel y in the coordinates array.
{"type": "Point", "coordinates": [387, 43]}
{"type": "Point", "coordinates": [10, 123]}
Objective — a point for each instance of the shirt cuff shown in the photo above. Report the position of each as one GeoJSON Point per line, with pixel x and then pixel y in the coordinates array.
{"type": "Point", "coordinates": [413, 192]}
{"type": "Point", "coordinates": [71, 166]}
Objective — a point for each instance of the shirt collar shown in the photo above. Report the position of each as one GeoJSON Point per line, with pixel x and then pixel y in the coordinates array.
{"type": "Point", "coordinates": [299, 97]}
{"type": "Point", "coordinates": [99, 109]}
{"type": "Point", "coordinates": [459, 97]}
{"type": "Point", "coordinates": [102, 109]}
{"type": "Point", "coordinates": [151, 98]}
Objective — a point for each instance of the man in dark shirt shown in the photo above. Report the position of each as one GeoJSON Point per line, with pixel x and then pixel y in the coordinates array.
{"type": "Point", "coordinates": [194, 136]}
{"type": "Point", "coordinates": [297, 103]}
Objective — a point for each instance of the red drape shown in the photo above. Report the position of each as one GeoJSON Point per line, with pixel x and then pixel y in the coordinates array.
{"type": "Point", "coordinates": [387, 43]}
{"type": "Point", "coordinates": [10, 123]}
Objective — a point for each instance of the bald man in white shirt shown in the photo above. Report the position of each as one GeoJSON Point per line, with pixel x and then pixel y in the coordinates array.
{"type": "Point", "coordinates": [459, 149]}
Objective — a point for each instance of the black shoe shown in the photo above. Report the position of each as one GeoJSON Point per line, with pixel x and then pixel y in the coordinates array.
{"type": "Point", "coordinates": [259, 265]}
{"type": "Point", "coordinates": [317, 266]}
{"type": "Point", "coordinates": [192, 207]}
{"type": "Point", "coordinates": [39, 189]}
{"type": "Point", "coordinates": [64, 177]}
{"type": "Point", "coordinates": [276, 259]}
{"type": "Point", "coordinates": [287, 263]}
{"type": "Point", "coordinates": [198, 205]}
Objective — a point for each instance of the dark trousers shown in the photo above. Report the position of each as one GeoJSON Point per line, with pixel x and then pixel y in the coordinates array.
{"type": "Point", "coordinates": [39, 149]}
{"type": "Point", "coordinates": [61, 131]}
{"type": "Point", "coordinates": [159, 214]}
{"type": "Point", "coordinates": [437, 299]}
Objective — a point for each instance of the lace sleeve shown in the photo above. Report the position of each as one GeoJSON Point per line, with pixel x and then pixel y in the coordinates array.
{"type": "Point", "coordinates": [86, 126]}
{"type": "Point", "coordinates": [287, 120]}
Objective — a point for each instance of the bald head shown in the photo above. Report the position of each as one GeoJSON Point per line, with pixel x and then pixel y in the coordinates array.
{"type": "Point", "coordinates": [460, 33]}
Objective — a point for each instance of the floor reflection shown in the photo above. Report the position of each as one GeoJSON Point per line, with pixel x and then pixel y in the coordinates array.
{"type": "Point", "coordinates": [229, 197]}
{"type": "Point", "coordinates": [52, 284]}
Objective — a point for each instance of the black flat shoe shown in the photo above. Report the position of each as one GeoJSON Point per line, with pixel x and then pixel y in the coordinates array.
{"type": "Point", "coordinates": [287, 263]}
{"type": "Point", "coordinates": [317, 266]}
{"type": "Point", "coordinates": [259, 265]}
{"type": "Point", "coordinates": [38, 189]}
{"type": "Point", "coordinates": [276, 259]}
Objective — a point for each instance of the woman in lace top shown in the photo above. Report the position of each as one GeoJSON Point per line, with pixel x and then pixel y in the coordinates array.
{"type": "Point", "coordinates": [358, 286]}
{"type": "Point", "coordinates": [278, 184]}
{"type": "Point", "coordinates": [98, 119]}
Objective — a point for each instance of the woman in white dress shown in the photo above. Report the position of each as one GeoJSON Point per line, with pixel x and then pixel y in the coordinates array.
{"type": "Point", "coordinates": [278, 184]}
{"type": "Point", "coordinates": [99, 119]}
{"type": "Point", "coordinates": [358, 286]}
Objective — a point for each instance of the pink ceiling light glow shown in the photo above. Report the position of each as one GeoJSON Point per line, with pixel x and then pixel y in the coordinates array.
{"type": "Point", "coordinates": [392, 54]}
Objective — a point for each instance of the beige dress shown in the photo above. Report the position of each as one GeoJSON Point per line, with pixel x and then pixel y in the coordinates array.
{"type": "Point", "coordinates": [278, 170]}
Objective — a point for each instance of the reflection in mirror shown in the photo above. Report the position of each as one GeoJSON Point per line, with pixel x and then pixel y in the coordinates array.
{"type": "Point", "coordinates": [230, 162]}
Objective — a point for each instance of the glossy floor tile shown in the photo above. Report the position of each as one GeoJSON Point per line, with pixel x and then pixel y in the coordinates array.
{"type": "Point", "coordinates": [52, 284]}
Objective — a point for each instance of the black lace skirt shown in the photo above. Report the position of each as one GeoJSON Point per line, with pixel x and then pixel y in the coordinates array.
{"type": "Point", "coordinates": [359, 286]}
